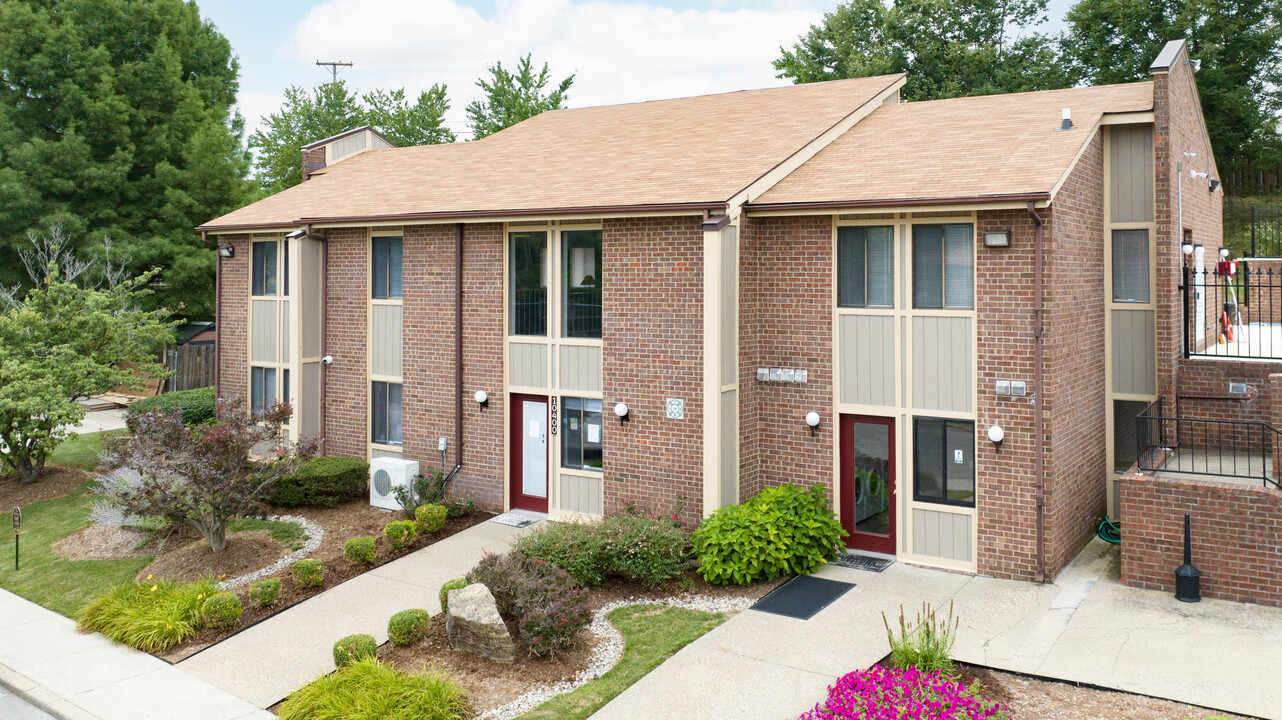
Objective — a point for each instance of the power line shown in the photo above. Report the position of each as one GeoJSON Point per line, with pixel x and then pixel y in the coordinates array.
{"type": "Point", "coordinates": [334, 67]}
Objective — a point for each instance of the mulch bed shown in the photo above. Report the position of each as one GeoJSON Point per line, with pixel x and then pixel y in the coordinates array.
{"type": "Point", "coordinates": [246, 552]}
{"type": "Point", "coordinates": [55, 482]}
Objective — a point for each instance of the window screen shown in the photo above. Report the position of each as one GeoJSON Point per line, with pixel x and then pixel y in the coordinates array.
{"type": "Point", "coordinates": [581, 283]}
{"type": "Point", "coordinates": [944, 461]}
{"type": "Point", "coordinates": [943, 266]}
{"type": "Point", "coordinates": [865, 267]}
{"type": "Point", "coordinates": [264, 269]}
{"type": "Point", "coordinates": [1130, 266]}
{"type": "Point", "coordinates": [385, 409]}
{"type": "Point", "coordinates": [385, 273]}
{"type": "Point", "coordinates": [581, 427]}
{"type": "Point", "coordinates": [528, 282]}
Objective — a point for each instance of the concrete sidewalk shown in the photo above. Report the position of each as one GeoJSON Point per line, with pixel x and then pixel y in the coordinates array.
{"type": "Point", "coordinates": [70, 675]}
{"type": "Point", "coordinates": [1086, 627]}
{"type": "Point", "coordinates": [265, 663]}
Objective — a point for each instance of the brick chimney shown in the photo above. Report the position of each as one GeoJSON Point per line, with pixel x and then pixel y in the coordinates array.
{"type": "Point", "coordinates": [313, 160]}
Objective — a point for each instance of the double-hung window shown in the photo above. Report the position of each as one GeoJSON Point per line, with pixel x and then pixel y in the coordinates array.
{"type": "Point", "coordinates": [944, 266]}
{"type": "Point", "coordinates": [1130, 266]}
{"type": "Point", "coordinates": [866, 267]}
{"type": "Point", "coordinates": [385, 413]}
{"type": "Point", "coordinates": [581, 426]}
{"type": "Point", "coordinates": [944, 461]}
{"type": "Point", "coordinates": [385, 268]}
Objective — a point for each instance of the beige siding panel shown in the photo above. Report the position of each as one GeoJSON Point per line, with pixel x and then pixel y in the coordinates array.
{"type": "Point", "coordinates": [265, 333]}
{"type": "Point", "coordinates": [867, 359]}
{"type": "Point", "coordinates": [729, 447]}
{"type": "Point", "coordinates": [284, 331]}
{"type": "Point", "coordinates": [581, 494]}
{"type": "Point", "coordinates": [580, 368]}
{"type": "Point", "coordinates": [942, 535]}
{"type": "Point", "coordinates": [379, 143]}
{"type": "Point", "coordinates": [380, 452]}
{"type": "Point", "coordinates": [729, 298]}
{"type": "Point", "coordinates": [309, 388]}
{"type": "Point", "coordinates": [527, 364]}
{"type": "Point", "coordinates": [348, 145]}
{"type": "Point", "coordinates": [385, 340]}
{"type": "Point", "coordinates": [310, 297]}
{"type": "Point", "coordinates": [1134, 357]}
{"type": "Point", "coordinates": [943, 364]}
{"type": "Point", "coordinates": [1131, 173]}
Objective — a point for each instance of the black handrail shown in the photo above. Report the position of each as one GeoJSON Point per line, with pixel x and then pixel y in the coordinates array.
{"type": "Point", "coordinates": [1241, 311]}
{"type": "Point", "coordinates": [1200, 446]}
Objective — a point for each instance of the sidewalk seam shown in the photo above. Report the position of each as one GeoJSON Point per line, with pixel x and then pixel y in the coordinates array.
{"type": "Point", "coordinates": [38, 695]}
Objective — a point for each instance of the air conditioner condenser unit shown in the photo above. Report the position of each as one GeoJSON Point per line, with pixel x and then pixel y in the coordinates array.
{"type": "Point", "coordinates": [386, 473]}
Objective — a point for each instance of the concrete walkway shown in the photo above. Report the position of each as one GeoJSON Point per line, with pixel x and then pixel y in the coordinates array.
{"type": "Point", "coordinates": [100, 420]}
{"type": "Point", "coordinates": [265, 663]}
{"type": "Point", "coordinates": [48, 664]}
{"type": "Point", "coordinates": [1086, 627]}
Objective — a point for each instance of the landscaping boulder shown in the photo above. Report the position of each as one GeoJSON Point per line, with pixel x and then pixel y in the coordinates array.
{"type": "Point", "coordinates": [473, 624]}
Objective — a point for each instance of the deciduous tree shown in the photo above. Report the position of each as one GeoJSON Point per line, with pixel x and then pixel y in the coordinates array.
{"type": "Point", "coordinates": [511, 97]}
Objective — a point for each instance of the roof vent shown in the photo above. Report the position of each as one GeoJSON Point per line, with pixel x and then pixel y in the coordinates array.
{"type": "Point", "coordinates": [1067, 122]}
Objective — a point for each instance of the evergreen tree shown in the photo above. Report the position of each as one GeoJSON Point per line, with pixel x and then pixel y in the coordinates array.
{"type": "Point", "coordinates": [513, 97]}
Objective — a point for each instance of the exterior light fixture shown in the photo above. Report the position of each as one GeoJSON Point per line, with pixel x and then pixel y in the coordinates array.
{"type": "Point", "coordinates": [1187, 248]}
{"type": "Point", "coordinates": [1224, 253]}
{"type": "Point", "coordinates": [812, 419]}
{"type": "Point", "coordinates": [328, 360]}
{"type": "Point", "coordinates": [621, 411]}
{"type": "Point", "coordinates": [227, 251]}
{"type": "Point", "coordinates": [996, 238]}
{"type": "Point", "coordinates": [1213, 184]}
{"type": "Point", "coordinates": [996, 435]}
{"type": "Point", "coordinates": [482, 398]}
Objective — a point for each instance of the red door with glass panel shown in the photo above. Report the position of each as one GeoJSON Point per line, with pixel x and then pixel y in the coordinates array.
{"type": "Point", "coordinates": [868, 482]}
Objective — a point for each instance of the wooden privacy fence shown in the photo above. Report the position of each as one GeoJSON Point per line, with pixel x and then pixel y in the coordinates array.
{"type": "Point", "coordinates": [192, 367]}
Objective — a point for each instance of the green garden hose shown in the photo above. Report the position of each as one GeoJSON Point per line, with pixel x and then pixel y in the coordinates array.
{"type": "Point", "coordinates": [1110, 531]}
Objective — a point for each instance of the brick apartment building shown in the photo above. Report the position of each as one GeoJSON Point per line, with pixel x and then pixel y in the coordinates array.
{"type": "Point", "coordinates": [920, 278]}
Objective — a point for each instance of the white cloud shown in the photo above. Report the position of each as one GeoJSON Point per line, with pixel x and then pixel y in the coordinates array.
{"type": "Point", "coordinates": [619, 51]}
{"type": "Point", "coordinates": [255, 106]}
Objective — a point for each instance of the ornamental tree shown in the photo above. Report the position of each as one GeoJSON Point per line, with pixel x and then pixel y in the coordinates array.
{"type": "Point", "coordinates": [203, 476]}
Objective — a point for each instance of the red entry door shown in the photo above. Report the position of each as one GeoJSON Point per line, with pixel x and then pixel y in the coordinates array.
{"type": "Point", "coordinates": [868, 482]}
{"type": "Point", "coordinates": [528, 462]}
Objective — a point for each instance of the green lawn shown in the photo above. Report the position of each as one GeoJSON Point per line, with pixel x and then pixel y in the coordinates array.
{"type": "Point", "coordinates": [290, 534]}
{"type": "Point", "coordinates": [80, 451]}
{"type": "Point", "coordinates": [651, 634]}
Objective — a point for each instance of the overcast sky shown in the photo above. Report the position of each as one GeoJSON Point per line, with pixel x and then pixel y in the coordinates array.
{"type": "Point", "coordinates": [619, 51]}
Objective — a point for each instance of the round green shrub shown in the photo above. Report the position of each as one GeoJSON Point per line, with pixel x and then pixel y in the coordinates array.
{"type": "Point", "coordinates": [646, 550]}
{"type": "Point", "coordinates": [264, 592]}
{"type": "Point", "coordinates": [322, 481]}
{"type": "Point", "coordinates": [455, 584]}
{"type": "Point", "coordinates": [408, 626]}
{"type": "Point", "coordinates": [400, 533]}
{"type": "Point", "coordinates": [308, 573]}
{"type": "Point", "coordinates": [360, 550]}
{"type": "Point", "coordinates": [430, 518]}
{"type": "Point", "coordinates": [574, 547]}
{"type": "Point", "coordinates": [197, 405]}
{"type": "Point", "coordinates": [353, 648]}
{"type": "Point", "coordinates": [782, 531]}
{"type": "Point", "coordinates": [221, 610]}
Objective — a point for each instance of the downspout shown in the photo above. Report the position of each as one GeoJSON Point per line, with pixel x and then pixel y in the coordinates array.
{"type": "Point", "coordinates": [458, 345]}
{"type": "Point", "coordinates": [1039, 439]}
{"type": "Point", "coordinates": [324, 333]}
{"type": "Point", "coordinates": [218, 308]}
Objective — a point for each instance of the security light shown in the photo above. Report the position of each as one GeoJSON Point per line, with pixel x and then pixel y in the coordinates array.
{"type": "Point", "coordinates": [227, 251]}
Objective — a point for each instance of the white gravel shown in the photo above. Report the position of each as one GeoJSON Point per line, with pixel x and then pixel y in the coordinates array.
{"type": "Point", "coordinates": [315, 533]}
{"type": "Point", "coordinates": [609, 648]}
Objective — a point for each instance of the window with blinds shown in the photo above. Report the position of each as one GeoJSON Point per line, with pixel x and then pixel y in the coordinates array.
{"type": "Point", "coordinates": [866, 266]}
{"type": "Point", "coordinates": [944, 266]}
{"type": "Point", "coordinates": [1130, 266]}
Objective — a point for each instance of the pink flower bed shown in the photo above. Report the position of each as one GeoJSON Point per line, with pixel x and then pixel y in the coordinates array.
{"type": "Point", "coordinates": [881, 693]}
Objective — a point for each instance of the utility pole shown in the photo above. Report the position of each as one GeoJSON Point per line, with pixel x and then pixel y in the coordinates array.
{"type": "Point", "coordinates": [334, 68]}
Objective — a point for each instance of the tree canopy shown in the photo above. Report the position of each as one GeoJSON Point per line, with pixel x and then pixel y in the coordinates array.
{"type": "Point", "coordinates": [116, 122]}
{"type": "Point", "coordinates": [511, 97]}
{"type": "Point", "coordinates": [311, 115]}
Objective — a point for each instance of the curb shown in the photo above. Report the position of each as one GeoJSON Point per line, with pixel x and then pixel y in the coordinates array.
{"type": "Point", "coordinates": [42, 697]}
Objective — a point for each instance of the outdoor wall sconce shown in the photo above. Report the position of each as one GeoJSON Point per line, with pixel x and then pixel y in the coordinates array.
{"type": "Point", "coordinates": [621, 411]}
{"type": "Point", "coordinates": [996, 238]}
{"type": "Point", "coordinates": [1187, 248]}
{"type": "Point", "coordinates": [1224, 253]}
{"type": "Point", "coordinates": [812, 419]}
{"type": "Point", "coordinates": [482, 398]}
{"type": "Point", "coordinates": [227, 251]}
{"type": "Point", "coordinates": [996, 435]}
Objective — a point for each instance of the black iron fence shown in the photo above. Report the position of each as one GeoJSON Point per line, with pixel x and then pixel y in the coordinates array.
{"type": "Point", "coordinates": [1266, 232]}
{"type": "Point", "coordinates": [1197, 446]}
{"type": "Point", "coordinates": [1233, 312]}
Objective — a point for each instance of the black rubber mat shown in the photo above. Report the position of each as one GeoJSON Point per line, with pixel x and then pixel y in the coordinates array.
{"type": "Point", "coordinates": [802, 597]}
{"type": "Point", "coordinates": [862, 562]}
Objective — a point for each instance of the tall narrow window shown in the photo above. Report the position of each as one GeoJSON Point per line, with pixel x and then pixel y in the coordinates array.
{"type": "Point", "coordinates": [262, 389]}
{"type": "Point", "coordinates": [284, 275]}
{"type": "Point", "coordinates": [944, 461]}
{"type": "Point", "coordinates": [528, 282]}
{"type": "Point", "coordinates": [581, 433]}
{"type": "Point", "coordinates": [385, 413]}
{"type": "Point", "coordinates": [943, 266]}
{"type": "Point", "coordinates": [263, 269]}
{"type": "Point", "coordinates": [581, 270]}
{"type": "Point", "coordinates": [865, 267]}
{"type": "Point", "coordinates": [1130, 266]}
{"type": "Point", "coordinates": [385, 273]}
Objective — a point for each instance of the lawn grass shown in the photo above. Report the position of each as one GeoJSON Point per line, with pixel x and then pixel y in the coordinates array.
{"type": "Point", "coordinates": [80, 451]}
{"type": "Point", "coordinates": [651, 634]}
{"type": "Point", "coordinates": [291, 534]}
{"type": "Point", "coordinates": [48, 579]}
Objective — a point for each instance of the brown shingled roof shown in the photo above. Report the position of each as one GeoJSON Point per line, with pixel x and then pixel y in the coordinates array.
{"type": "Point", "coordinates": [698, 150]}
{"type": "Point", "coordinates": [991, 146]}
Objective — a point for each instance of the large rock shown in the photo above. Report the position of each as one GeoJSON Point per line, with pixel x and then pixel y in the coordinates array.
{"type": "Point", "coordinates": [473, 624]}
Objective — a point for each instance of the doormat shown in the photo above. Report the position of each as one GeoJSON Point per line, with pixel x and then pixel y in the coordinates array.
{"type": "Point", "coordinates": [516, 520]}
{"type": "Point", "coordinates": [802, 597]}
{"type": "Point", "coordinates": [862, 562]}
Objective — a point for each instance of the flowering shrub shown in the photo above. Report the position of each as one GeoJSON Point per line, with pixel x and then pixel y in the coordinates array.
{"type": "Point", "coordinates": [408, 626]}
{"type": "Point", "coordinates": [548, 607]}
{"type": "Point", "coordinates": [221, 610]}
{"type": "Point", "coordinates": [881, 693]}
{"type": "Point", "coordinates": [430, 518]}
{"type": "Point", "coordinates": [264, 592]}
{"type": "Point", "coordinates": [574, 547]}
{"type": "Point", "coordinates": [308, 573]}
{"type": "Point", "coordinates": [644, 549]}
{"type": "Point", "coordinates": [354, 648]}
{"type": "Point", "coordinates": [400, 533]}
{"type": "Point", "coordinates": [360, 550]}
{"type": "Point", "coordinates": [555, 625]}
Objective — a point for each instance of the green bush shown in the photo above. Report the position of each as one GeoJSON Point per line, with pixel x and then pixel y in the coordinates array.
{"type": "Point", "coordinates": [354, 648]}
{"type": "Point", "coordinates": [367, 690]}
{"type": "Point", "coordinates": [430, 518]}
{"type": "Point", "coordinates": [360, 550]}
{"type": "Point", "coordinates": [429, 489]}
{"type": "Point", "coordinates": [308, 573]}
{"type": "Point", "coordinates": [400, 533]}
{"type": "Point", "coordinates": [221, 610]}
{"type": "Point", "coordinates": [197, 405]}
{"type": "Point", "coordinates": [576, 548]}
{"type": "Point", "coordinates": [647, 550]}
{"type": "Point", "coordinates": [926, 642]}
{"type": "Point", "coordinates": [782, 531]}
{"type": "Point", "coordinates": [264, 592]}
{"type": "Point", "coordinates": [408, 626]}
{"type": "Point", "coordinates": [323, 481]}
{"type": "Point", "coordinates": [456, 584]}
{"type": "Point", "coordinates": [151, 616]}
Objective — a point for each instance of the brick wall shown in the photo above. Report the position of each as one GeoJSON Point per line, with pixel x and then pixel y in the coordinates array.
{"type": "Point", "coordinates": [750, 310]}
{"type": "Point", "coordinates": [346, 331]}
{"type": "Point", "coordinates": [652, 329]}
{"type": "Point", "coordinates": [1236, 531]}
{"type": "Point", "coordinates": [315, 155]}
{"type": "Point", "coordinates": [233, 319]}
